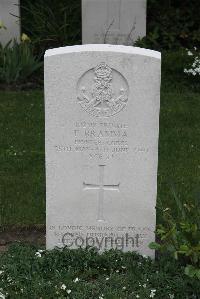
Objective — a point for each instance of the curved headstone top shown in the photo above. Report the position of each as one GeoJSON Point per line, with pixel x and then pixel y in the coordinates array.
{"type": "Point", "coordinates": [103, 48]}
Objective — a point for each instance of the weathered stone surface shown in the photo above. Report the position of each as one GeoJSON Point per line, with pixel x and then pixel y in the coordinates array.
{"type": "Point", "coordinates": [118, 22]}
{"type": "Point", "coordinates": [102, 121]}
{"type": "Point", "coordinates": [9, 16]}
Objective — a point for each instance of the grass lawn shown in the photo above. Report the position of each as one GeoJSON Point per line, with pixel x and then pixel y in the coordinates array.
{"type": "Point", "coordinates": [22, 174]}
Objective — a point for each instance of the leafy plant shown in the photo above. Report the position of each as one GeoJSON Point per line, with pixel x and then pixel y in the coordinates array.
{"type": "Point", "coordinates": [26, 272]}
{"type": "Point", "coordinates": [52, 23]}
{"type": "Point", "coordinates": [17, 62]}
{"type": "Point", "coordinates": [180, 234]}
{"type": "Point", "coordinates": [172, 24]}
{"type": "Point", "coordinates": [193, 67]}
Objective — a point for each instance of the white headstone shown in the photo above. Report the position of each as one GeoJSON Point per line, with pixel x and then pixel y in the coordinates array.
{"type": "Point", "coordinates": [118, 22]}
{"type": "Point", "coordinates": [9, 16]}
{"type": "Point", "coordinates": [102, 122]}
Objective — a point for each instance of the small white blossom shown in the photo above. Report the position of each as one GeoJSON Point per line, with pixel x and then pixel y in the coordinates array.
{"type": "Point", "coordinates": [38, 254]}
{"type": "Point", "coordinates": [1, 272]}
{"type": "Point", "coordinates": [171, 296]}
{"type": "Point", "coordinates": [189, 53]}
{"type": "Point", "coordinates": [2, 296]}
{"type": "Point", "coordinates": [107, 278]}
{"type": "Point", "coordinates": [9, 279]}
{"type": "Point", "coordinates": [124, 288]}
{"type": "Point", "coordinates": [76, 279]}
{"type": "Point", "coordinates": [152, 294]}
{"type": "Point", "coordinates": [144, 285]}
{"type": "Point", "coordinates": [137, 296]}
{"type": "Point", "coordinates": [69, 291]}
{"type": "Point", "coordinates": [117, 271]}
{"type": "Point", "coordinates": [63, 287]}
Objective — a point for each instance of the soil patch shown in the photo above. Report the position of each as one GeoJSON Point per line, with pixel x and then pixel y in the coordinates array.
{"type": "Point", "coordinates": [32, 235]}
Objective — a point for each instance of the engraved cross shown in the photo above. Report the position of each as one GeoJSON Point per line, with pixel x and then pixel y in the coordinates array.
{"type": "Point", "coordinates": [101, 187]}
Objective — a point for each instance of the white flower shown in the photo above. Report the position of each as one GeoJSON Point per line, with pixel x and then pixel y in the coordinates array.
{"type": "Point", "coordinates": [63, 287]}
{"type": "Point", "coordinates": [68, 291]}
{"type": "Point", "coordinates": [1, 272]}
{"type": "Point", "coordinates": [152, 294]}
{"type": "Point", "coordinates": [38, 254]}
{"type": "Point", "coordinates": [123, 267]}
{"type": "Point", "coordinates": [117, 271]}
{"type": "Point", "coordinates": [124, 288]}
{"type": "Point", "coordinates": [40, 250]}
{"type": "Point", "coordinates": [107, 278]}
{"type": "Point", "coordinates": [137, 296]}
{"type": "Point", "coordinates": [171, 296]}
{"type": "Point", "coordinates": [189, 53]}
{"type": "Point", "coordinates": [101, 297]}
{"type": "Point", "coordinates": [2, 296]}
{"type": "Point", "coordinates": [145, 256]}
{"type": "Point", "coordinates": [76, 279]}
{"type": "Point", "coordinates": [144, 285]}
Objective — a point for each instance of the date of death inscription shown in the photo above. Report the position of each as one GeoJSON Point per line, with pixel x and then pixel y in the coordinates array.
{"type": "Point", "coordinates": [102, 140]}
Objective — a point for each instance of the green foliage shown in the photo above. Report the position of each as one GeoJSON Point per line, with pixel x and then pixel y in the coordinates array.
{"type": "Point", "coordinates": [172, 24]}
{"type": "Point", "coordinates": [26, 272]}
{"type": "Point", "coordinates": [180, 233]}
{"type": "Point", "coordinates": [17, 62]}
{"type": "Point", "coordinates": [52, 23]}
{"type": "Point", "coordinates": [192, 68]}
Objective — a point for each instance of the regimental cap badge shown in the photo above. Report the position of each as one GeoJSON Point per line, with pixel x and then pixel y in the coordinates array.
{"type": "Point", "coordinates": [103, 71]}
{"type": "Point", "coordinates": [102, 91]}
